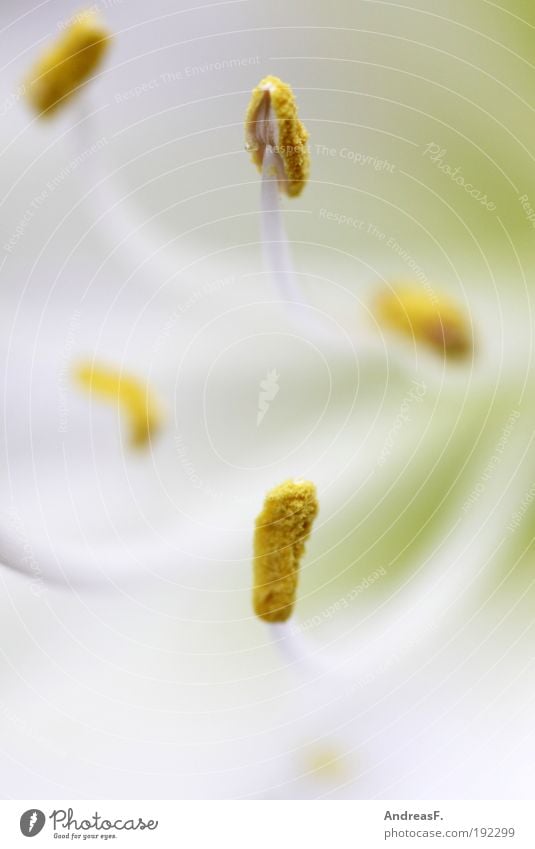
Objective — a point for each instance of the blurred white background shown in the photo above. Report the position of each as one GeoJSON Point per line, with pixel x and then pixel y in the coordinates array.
{"type": "Point", "coordinates": [131, 665]}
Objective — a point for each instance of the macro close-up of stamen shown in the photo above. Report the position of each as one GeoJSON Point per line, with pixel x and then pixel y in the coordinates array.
{"type": "Point", "coordinates": [267, 517]}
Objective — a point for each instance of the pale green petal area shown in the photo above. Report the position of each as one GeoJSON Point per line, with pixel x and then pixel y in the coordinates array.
{"type": "Point", "coordinates": [394, 518]}
{"type": "Point", "coordinates": [408, 561]}
{"type": "Point", "coordinates": [515, 573]}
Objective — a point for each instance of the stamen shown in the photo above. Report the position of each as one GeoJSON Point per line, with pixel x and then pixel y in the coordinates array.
{"type": "Point", "coordinates": [282, 529]}
{"type": "Point", "coordinates": [434, 320]}
{"type": "Point", "coordinates": [275, 245]}
{"type": "Point", "coordinates": [277, 141]}
{"type": "Point", "coordinates": [68, 63]}
{"type": "Point", "coordinates": [138, 403]}
{"type": "Point", "coordinates": [272, 120]}
{"type": "Point", "coordinates": [325, 760]}
{"type": "Point", "coordinates": [57, 76]}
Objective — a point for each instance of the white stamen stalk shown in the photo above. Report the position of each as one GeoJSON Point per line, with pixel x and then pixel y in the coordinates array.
{"type": "Point", "coordinates": [121, 229]}
{"type": "Point", "coordinates": [298, 654]}
{"type": "Point", "coordinates": [448, 578]}
{"type": "Point", "coordinates": [277, 141]}
{"type": "Point", "coordinates": [276, 249]}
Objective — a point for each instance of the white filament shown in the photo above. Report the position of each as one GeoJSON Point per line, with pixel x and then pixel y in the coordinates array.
{"type": "Point", "coordinates": [114, 221]}
{"type": "Point", "coordinates": [449, 577]}
{"type": "Point", "coordinates": [276, 249]}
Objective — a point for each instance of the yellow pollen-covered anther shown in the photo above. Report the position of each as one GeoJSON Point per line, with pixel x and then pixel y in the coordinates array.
{"type": "Point", "coordinates": [68, 63]}
{"type": "Point", "coordinates": [282, 529]}
{"type": "Point", "coordinates": [426, 317]}
{"type": "Point", "coordinates": [130, 394]}
{"type": "Point", "coordinates": [272, 120]}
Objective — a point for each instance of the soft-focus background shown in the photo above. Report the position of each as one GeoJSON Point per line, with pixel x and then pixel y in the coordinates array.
{"type": "Point", "coordinates": [130, 662]}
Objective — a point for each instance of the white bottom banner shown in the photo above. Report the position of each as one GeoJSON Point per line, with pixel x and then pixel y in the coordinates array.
{"type": "Point", "coordinates": [269, 824]}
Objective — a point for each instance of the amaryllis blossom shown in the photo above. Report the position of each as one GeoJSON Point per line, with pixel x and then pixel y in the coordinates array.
{"type": "Point", "coordinates": [159, 381]}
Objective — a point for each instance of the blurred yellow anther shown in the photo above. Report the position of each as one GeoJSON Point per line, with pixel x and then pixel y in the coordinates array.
{"type": "Point", "coordinates": [271, 120]}
{"type": "Point", "coordinates": [325, 761]}
{"type": "Point", "coordinates": [134, 399]}
{"type": "Point", "coordinates": [67, 63]}
{"type": "Point", "coordinates": [433, 319]}
{"type": "Point", "coordinates": [282, 529]}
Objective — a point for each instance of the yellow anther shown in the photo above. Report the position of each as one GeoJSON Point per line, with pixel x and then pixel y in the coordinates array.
{"type": "Point", "coordinates": [433, 319]}
{"type": "Point", "coordinates": [271, 119]}
{"type": "Point", "coordinates": [68, 63]}
{"type": "Point", "coordinates": [326, 761]}
{"type": "Point", "coordinates": [136, 401]}
{"type": "Point", "coordinates": [282, 529]}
